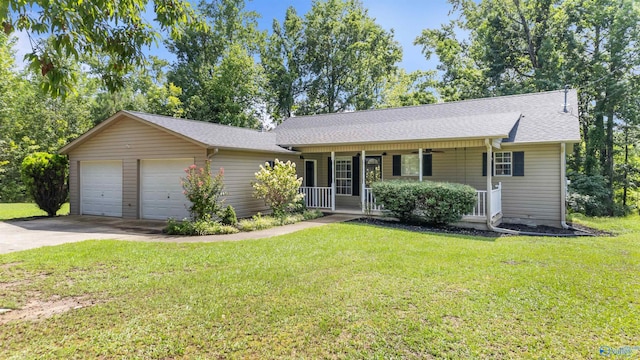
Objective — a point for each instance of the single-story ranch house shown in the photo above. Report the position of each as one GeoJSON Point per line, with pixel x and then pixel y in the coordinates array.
{"type": "Point", "coordinates": [130, 165]}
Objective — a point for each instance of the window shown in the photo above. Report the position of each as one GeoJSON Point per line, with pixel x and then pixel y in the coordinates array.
{"type": "Point", "coordinates": [502, 163]}
{"type": "Point", "coordinates": [410, 165]}
{"type": "Point", "coordinates": [343, 175]}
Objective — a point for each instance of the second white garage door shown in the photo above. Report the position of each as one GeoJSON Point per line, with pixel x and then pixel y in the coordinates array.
{"type": "Point", "coordinates": [161, 194]}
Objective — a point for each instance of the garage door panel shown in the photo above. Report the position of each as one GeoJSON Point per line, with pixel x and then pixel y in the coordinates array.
{"type": "Point", "coordinates": [101, 188]}
{"type": "Point", "coordinates": [161, 191]}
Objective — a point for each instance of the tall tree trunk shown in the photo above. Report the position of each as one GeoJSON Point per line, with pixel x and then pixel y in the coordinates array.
{"type": "Point", "coordinates": [625, 180]}
{"type": "Point", "coordinates": [608, 168]}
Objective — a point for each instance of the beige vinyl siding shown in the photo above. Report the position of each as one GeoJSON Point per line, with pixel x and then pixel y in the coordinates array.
{"type": "Point", "coordinates": [239, 172]}
{"type": "Point", "coordinates": [130, 141]}
{"type": "Point", "coordinates": [321, 167]}
{"type": "Point", "coordinates": [532, 198]}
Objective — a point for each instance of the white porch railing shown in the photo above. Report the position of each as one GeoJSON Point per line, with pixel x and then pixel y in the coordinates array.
{"type": "Point", "coordinates": [370, 201]}
{"type": "Point", "coordinates": [496, 200]}
{"type": "Point", "coordinates": [320, 198]}
{"type": "Point", "coordinates": [481, 204]}
{"type": "Point", "coordinates": [317, 197]}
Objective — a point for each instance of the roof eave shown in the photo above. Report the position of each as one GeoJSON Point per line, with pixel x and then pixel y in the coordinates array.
{"type": "Point", "coordinates": [541, 142]}
{"type": "Point", "coordinates": [106, 123]}
{"type": "Point", "coordinates": [494, 136]}
{"type": "Point", "coordinates": [265, 151]}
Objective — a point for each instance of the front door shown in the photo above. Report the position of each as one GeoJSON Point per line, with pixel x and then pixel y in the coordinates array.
{"type": "Point", "coordinates": [373, 169]}
{"type": "Point", "coordinates": [310, 173]}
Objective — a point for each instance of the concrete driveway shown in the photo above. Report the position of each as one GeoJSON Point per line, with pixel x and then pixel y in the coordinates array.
{"type": "Point", "coordinates": [20, 235]}
{"type": "Point", "coordinates": [33, 233]}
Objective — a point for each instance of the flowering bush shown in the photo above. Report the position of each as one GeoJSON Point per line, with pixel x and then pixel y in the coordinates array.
{"type": "Point", "coordinates": [278, 186]}
{"type": "Point", "coordinates": [204, 191]}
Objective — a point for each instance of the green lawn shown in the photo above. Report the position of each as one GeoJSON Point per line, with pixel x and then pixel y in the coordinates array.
{"type": "Point", "coordinates": [25, 210]}
{"type": "Point", "coordinates": [339, 291]}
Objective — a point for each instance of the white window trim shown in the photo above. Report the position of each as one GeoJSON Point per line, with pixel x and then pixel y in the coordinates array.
{"type": "Point", "coordinates": [343, 158]}
{"type": "Point", "coordinates": [402, 173]}
{"type": "Point", "coordinates": [495, 163]}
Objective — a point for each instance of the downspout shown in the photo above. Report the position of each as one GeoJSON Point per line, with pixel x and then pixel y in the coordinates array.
{"type": "Point", "coordinates": [487, 143]}
{"type": "Point", "coordinates": [210, 155]}
{"type": "Point", "coordinates": [563, 186]}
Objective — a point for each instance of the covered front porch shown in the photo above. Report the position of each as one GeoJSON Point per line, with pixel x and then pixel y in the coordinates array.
{"type": "Point", "coordinates": [322, 198]}
{"type": "Point", "coordinates": [339, 181]}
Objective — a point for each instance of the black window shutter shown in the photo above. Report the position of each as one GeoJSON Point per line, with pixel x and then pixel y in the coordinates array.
{"type": "Point", "coordinates": [484, 164]}
{"type": "Point", "coordinates": [518, 163]}
{"type": "Point", "coordinates": [397, 165]}
{"type": "Point", "coordinates": [355, 177]}
{"type": "Point", "coordinates": [330, 172]}
{"type": "Point", "coordinates": [427, 165]}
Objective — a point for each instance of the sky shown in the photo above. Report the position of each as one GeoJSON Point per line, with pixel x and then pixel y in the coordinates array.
{"type": "Point", "coordinates": [406, 17]}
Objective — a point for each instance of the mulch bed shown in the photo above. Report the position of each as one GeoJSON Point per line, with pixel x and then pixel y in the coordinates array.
{"type": "Point", "coordinates": [542, 230]}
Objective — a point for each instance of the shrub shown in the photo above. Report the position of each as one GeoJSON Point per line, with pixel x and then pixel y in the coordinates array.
{"type": "Point", "coordinates": [431, 202]}
{"type": "Point", "coordinates": [204, 191]}
{"type": "Point", "coordinates": [229, 216]}
{"type": "Point", "coordinates": [45, 177]}
{"type": "Point", "coordinates": [198, 227]}
{"type": "Point", "coordinates": [278, 186]}
{"type": "Point", "coordinates": [312, 214]}
{"type": "Point", "coordinates": [588, 195]}
{"type": "Point", "coordinates": [258, 222]}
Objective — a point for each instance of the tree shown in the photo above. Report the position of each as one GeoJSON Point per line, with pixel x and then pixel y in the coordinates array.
{"type": "Point", "coordinates": [45, 176]}
{"type": "Point", "coordinates": [146, 90]}
{"type": "Point", "coordinates": [517, 46]}
{"type": "Point", "coordinates": [409, 89]}
{"type": "Point", "coordinates": [63, 29]}
{"type": "Point", "coordinates": [461, 77]}
{"type": "Point", "coordinates": [285, 70]}
{"type": "Point", "coordinates": [348, 56]}
{"type": "Point", "coordinates": [215, 67]}
{"type": "Point", "coordinates": [31, 121]}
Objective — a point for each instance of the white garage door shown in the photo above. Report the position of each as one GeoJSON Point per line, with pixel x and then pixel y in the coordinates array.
{"type": "Point", "coordinates": [101, 188]}
{"type": "Point", "coordinates": [160, 188]}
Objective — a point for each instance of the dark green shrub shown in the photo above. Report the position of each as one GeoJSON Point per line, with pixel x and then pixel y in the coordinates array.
{"type": "Point", "coordinates": [588, 195]}
{"type": "Point", "coordinates": [45, 177]}
{"type": "Point", "coordinates": [229, 216]}
{"type": "Point", "coordinates": [430, 202]}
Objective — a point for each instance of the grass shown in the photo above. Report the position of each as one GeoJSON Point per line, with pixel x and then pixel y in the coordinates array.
{"type": "Point", "coordinates": [25, 210]}
{"type": "Point", "coordinates": [337, 291]}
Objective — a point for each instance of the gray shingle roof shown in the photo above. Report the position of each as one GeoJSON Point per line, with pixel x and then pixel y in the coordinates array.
{"type": "Point", "coordinates": [541, 119]}
{"type": "Point", "coordinates": [215, 135]}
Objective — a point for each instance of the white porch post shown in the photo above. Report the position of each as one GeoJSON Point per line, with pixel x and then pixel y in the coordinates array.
{"type": "Point", "coordinates": [420, 165]}
{"type": "Point", "coordinates": [362, 192]}
{"type": "Point", "coordinates": [333, 181]}
{"type": "Point", "coordinates": [489, 173]}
